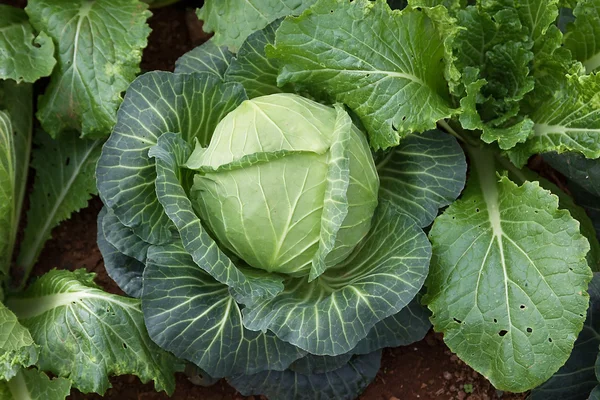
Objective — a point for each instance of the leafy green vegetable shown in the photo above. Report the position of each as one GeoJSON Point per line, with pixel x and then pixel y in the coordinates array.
{"type": "Point", "coordinates": [24, 57]}
{"type": "Point", "coordinates": [98, 47]}
{"type": "Point", "coordinates": [353, 59]}
{"type": "Point", "coordinates": [31, 384]}
{"type": "Point", "coordinates": [583, 37]}
{"type": "Point", "coordinates": [63, 184]}
{"type": "Point", "coordinates": [17, 348]}
{"type": "Point", "coordinates": [15, 134]}
{"type": "Point", "coordinates": [499, 266]}
{"type": "Point", "coordinates": [234, 20]}
{"type": "Point", "coordinates": [86, 334]}
{"type": "Point", "coordinates": [576, 379]}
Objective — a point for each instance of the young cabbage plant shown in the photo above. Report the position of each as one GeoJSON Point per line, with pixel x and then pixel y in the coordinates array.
{"type": "Point", "coordinates": [266, 242]}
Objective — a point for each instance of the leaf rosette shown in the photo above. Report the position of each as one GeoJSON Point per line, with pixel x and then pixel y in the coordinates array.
{"type": "Point", "coordinates": [263, 238]}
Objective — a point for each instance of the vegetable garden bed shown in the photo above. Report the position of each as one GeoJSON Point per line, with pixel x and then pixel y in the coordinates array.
{"type": "Point", "coordinates": [533, 253]}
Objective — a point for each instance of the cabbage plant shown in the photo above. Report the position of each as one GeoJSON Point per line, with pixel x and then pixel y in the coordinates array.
{"type": "Point", "coordinates": [266, 240]}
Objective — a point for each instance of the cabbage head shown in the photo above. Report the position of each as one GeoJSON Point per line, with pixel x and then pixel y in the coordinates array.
{"type": "Point", "coordinates": [268, 176]}
{"type": "Point", "coordinates": [267, 242]}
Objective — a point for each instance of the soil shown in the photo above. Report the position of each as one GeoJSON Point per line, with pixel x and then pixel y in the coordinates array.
{"type": "Point", "coordinates": [424, 370]}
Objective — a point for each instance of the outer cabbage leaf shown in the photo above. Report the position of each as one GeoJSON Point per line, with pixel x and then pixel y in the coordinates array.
{"type": "Point", "coordinates": [99, 48]}
{"type": "Point", "coordinates": [253, 69]}
{"type": "Point", "coordinates": [234, 20]}
{"type": "Point", "coordinates": [583, 172]}
{"type": "Point", "coordinates": [423, 174]}
{"type": "Point", "coordinates": [410, 325]}
{"type": "Point", "coordinates": [311, 364]}
{"type": "Point", "coordinates": [576, 379]}
{"type": "Point", "coordinates": [386, 66]}
{"type": "Point", "coordinates": [583, 36]}
{"type": "Point", "coordinates": [170, 153]}
{"type": "Point", "coordinates": [16, 118]}
{"type": "Point", "coordinates": [208, 57]}
{"type": "Point", "coordinates": [566, 120]}
{"type": "Point", "coordinates": [155, 103]}
{"type": "Point", "coordinates": [24, 57]}
{"type": "Point", "coordinates": [63, 184]}
{"type": "Point", "coordinates": [87, 335]}
{"type": "Point", "coordinates": [17, 349]}
{"type": "Point", "coordinates": [344, 383]}
{"type": "Point", "coordinates": [124, 270]}
{"type": "Point", "coordinates": [192, 315]}
{"type": "Point", "coordinates": [508, 278]}
{"type": "Point", "coordinates": [331, 314]}
{"type": "Point", "coordinates": [122, 238]}
{"type": "Point", "coordinates": [31, 384]}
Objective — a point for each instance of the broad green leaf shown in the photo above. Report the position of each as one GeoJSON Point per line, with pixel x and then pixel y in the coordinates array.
{"type": "Point", "coordinates": [567, 120]}
{"type": "Point", "coordinates": [192, 315]}
{"type": "Point", "coordinates": [388, 67]}
{"type": "Point", "coordinates": [576, 379]}
{"type": "Point", "coordinates": [583, 36]}
{"type": "Point", "coordinates": [64, 183]}
{"type": "Point", "coordinates": [16, 119]}
{"type": "Point", "coordinates": [122, 238]}
{"type": "Point", "coordinates": [335, 202]}
{"type": "Point", "coordinates": [580, 170]}
{"type": "Point", "coordinates": [508, 278]}
{"type": "Point", "coordinates": [170, 153]}
{"type": "Point", "coordinates": [17, 349]}
{"type": "Point", "coordinates": [155, 103]}
{"type": "Point", "coordinates": [208, 57]}
{"type": "Point", "coordinates": [87, 335]}
{"type": "Point", "coordinates": [408, 326]}
{"type": "Point", "coordinates": [423, 174]}
{"type": "Point", "coordinates": [233, 21]}
{"type": "Point", "coordinates": [31, 384]}
{"type": "Point", "coordinates": [253, 69]}
{"type": "Point", "coordinates": [345, 383]}
{"type": "Point", "coordinates": [124, 270]}
{"type": "Point", "coordinates": [24, 57]}
{"type": "Point", "coordinates": [311, 364]}
{"type": "Point", "coordinates": [331, 314]}
{"type": "Point", "coordinates": [99, 47]}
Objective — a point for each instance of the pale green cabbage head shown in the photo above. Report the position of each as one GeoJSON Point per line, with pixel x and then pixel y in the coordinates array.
{"type": "Point", "coordinates": [263, 180]}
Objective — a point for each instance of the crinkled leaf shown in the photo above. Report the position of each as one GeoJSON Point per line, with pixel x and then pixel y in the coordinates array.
{"type": "Point", "coordinates": [170, 153]}
{"type": "Point", "coordinates": [31, 384]}
{"type": "Point", "coordinates": [24, 57]}
{"type": "Point", "coordinates": [508, 278]}
{"type": "Point", "coordinates": [335, 202]}
{"type": "Point", "coordinates": [208, 57]}
{"type": "Point", "coordinates": [17, 349]}
{"type": "Point", "coordinates": [388, 67]}
{"type": "Point", "coordinates": [64, 183]}
{"type": "Point", "coordinates": [331, 314]}
{"type": "Point", "coordinates": [583, 36]}
{"type": "Point", "coordinates": [253, 69]}
{"type": "Point", "coordinates": [576, 379]}
{"type": "Point", "coordinates": [155, 103]}
{"type": "Point", "coordinates": [423, 174]}
{"type": "Point", "coordinates": [99, 48]}
{"type": "Point", "coordinates": [567, 120]}
{"type": "Point", "coordinates": [87, 335]}
{"type": "Point", "coordinates": [192, 315]}
{"type": "Point", "coordinates": [410, 325]}
{"type": "Point", "coordinates": [122, 238]}
{"type": "Point", "coordinates": [16, 118]}
{"type": "Point", "coordinates": [233, 21]}
{"type": "Point", "coordinates": [344, 383]}
{"type": "Point", "coordinates": [124, 270]}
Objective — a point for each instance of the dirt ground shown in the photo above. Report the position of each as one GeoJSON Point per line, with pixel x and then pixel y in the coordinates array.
{"type": "Point", "coordinates": [424, 370]}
